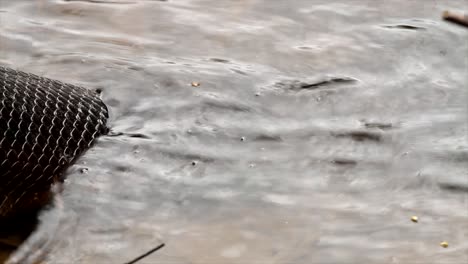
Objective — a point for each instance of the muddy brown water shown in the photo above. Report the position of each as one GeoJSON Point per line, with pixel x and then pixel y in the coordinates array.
{"type": "Point", "coordinates": [317, 130]}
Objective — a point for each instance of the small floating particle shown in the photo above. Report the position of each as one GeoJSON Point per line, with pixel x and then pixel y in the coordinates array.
{"type": "Point", "coordinates": [444, 244]}
{"type": "Point", "coordinates": [257, 94]}
{"type": "Point", "coordinates": [414, 219]}
{"type": "Point", "coordinates": [194, 163]}
{"type": "Point", "coordinates": [242, 138]}
{"type": "Point", "coordinates": [195, 84]}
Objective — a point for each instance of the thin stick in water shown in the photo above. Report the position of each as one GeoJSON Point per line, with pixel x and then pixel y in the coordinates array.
{"type": "Point", "coordinates": [146, 254]}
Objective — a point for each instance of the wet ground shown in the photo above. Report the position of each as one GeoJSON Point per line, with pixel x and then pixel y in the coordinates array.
{"type": "Point", "coordinates": [258, 131]}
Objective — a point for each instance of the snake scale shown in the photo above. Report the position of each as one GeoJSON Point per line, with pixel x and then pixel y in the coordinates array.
{"type": "Point", "coordinates": [44, 126]}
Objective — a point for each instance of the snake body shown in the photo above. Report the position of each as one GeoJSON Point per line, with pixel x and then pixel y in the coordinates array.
{"type": "Point", "coordinates": [44, 126]}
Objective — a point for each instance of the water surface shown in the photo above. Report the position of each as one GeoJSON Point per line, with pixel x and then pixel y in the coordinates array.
{"type": "Point", "coordinates": [317, 130]}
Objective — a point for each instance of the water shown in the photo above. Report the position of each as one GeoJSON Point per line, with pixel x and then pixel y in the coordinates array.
{"type": "Point", "coordinates": [317, 130]}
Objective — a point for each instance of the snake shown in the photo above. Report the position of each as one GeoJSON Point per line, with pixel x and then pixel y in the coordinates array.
{"type": "Point", "coordinates": [45, 126]}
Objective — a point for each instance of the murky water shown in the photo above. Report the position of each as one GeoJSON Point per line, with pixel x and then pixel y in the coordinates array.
{"type": "Point", "coordinates": [312, 133]}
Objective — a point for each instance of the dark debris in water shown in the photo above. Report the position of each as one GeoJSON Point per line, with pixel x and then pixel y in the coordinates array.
{"type": "Point", "coordinates": [138, 135]}
{"type": "Point", "coordinates": [329, 82]}
{"type": "Point", "coordinates": [344, 161]}
{"type": "Point", "coordinates": [265, 137]}
{"type": "Point", "coordinates": [219, 60]}
{"type": "Point", "coordinates": [146, 254]}
{"type": "Point", "coordinates": [383, 126]}
{"type": "Point", "coordinates": [360, 135]}
{"type": "Point", "coordinates": [131, 135]}
{"type": "Point", "coordinates": [304, 48]}
{"type": "Point", "coordinates": [454, 187]}
{"type": "Point", "coordinates": [404, 26]}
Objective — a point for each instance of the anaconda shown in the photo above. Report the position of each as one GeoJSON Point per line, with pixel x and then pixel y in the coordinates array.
{"type": "Point", "coordinates": [45, 125]}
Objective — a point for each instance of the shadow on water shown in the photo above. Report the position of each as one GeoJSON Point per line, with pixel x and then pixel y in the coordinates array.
{"type": "Point", "coordinates": [14, 231]}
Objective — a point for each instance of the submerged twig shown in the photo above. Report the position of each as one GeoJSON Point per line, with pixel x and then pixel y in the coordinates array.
{"type": "Point", "coordinates": [146, 254]}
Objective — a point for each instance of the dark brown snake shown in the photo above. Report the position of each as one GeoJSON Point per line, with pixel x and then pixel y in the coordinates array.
{"type": "Point", "coordinates": [44, 126]}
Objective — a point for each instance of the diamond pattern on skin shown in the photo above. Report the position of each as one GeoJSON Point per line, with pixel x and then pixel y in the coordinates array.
{"type": "Point", "coordinates": [44, 126]}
